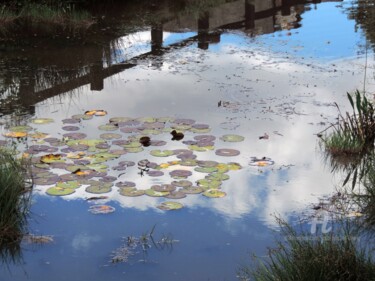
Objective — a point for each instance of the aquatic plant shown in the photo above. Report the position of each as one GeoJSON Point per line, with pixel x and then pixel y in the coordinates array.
{"type": "Point", "coordinates": [354, 133]}
{"type": "Point", "coordinates": [14, 203]}
{"type": "Point", "coordinates": [300, 255]}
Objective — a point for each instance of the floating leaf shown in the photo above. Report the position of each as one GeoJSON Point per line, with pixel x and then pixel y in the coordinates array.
{"type": "Point", "coordinates": [161, 153]}
{"type": "Point", "coordinates": [70, 128]}
{"type": "Point", "coordinates": [96, 112]}
{"type": "Point", "coordinates": [134, 149]}
{"type": "Point", "coordinates": [82, 117]}
{"type": "Point", "coordinates": [217, 176]}
{"type": "Point", "coordinates": [69, 184]}
{"type": "Point", "coordinates": [210, 184]}
{"type": "Point", "coordinates": [180, 173]}
{"type": "Point", "coordinates": [153, 193]}
{"type": "Point", "coordinates": [200, 148]}
{"type": "Point", "coordinates": [20, 129]}
{"type": "Point", "coordinates": [200, 131]}
{"type": "Point", "coordinates": [70, 121]}
{"type": "Point", "coordinates": [207, 163]}
{"type": "Point", "coordinates": [227, 152]}
{"type": "Point", "coordinates": [38, 135]}
{"type": "Point", "coordinates": [110, 136]}
{"type": "Point", "coordinates": [99, 189]}
{"type": "Point", "coordinates": [205, 169]}
{"type": "Point", "coordinates": [101, 209]}
{"type": "Point", "coordinates": [119, 119]}
{"type": "Point", "coordinates": [234, 166]}
{"type": "Point", "coordinates": [146, 119]}
{"type": "Point", "coordinates": [214, 193]}
{"type": "Point", "coordinates": [205, 138]}
{"type": "Point", "coordinates": [49, 158]}
{"type": "Point", "coordinates": [15, 134]}
{"type": "Point", "coordinates": [59, 191]}
{"type": "Point", "coordinates": [169, 205]}
{"type": "Point", "coordinates": [125, 184]}
{"type": "Point", "coordinates": [155, 173]}
{"type": "Point", "coordinates": [176, 195]}
{"type": "Point", "coordinates": [74, 136]}
{"type": "Point", "coordinates": [131, 192]}
{"type": "Point", "coordinates": [188, 162]}
{"type": "Point", "coordinates": [192, 190]}
{"type": "Point", "coordinates": [108, 127]}
{"type": "Point", "coordinates": [232, 138]}
{"type": "Point", "coordinates": [163, 187]}
{"type": "Point", "coordinates": [182, 183]}
{"type": "Point", "coordinates": [42, 120]}
{"type": "Point", "coordinates": [182, 121]}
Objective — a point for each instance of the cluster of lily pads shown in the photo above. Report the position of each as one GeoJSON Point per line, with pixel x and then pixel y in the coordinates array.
{"type": "Point", "coordinates": [73, 160]}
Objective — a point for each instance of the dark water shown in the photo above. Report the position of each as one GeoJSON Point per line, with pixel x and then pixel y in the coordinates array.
{"type": "Point", "coordinates": [242, 67]}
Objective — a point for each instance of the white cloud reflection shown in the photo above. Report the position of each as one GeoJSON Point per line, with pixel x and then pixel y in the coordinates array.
{"type": "Point", "coordinates": [274, 94]}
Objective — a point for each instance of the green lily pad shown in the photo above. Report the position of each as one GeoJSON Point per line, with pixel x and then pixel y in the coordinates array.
{"type": "Point", "coordinates": [233, 166]}
{"type": "Point", "coordinates": [59, 191]}
{"type": "Point", "coordinates": [192, 190]}
{"type": "Point", "coordinates": [110, 136]}
{"type": "Point", "coordinates": [211, 184]}
{"type": "Point", "coordinates": [182, 183]}
{"type": "Point", "coordinates": [119, 119]}
{"type": "Point", "coordinates": [214, 193]}
{"type": "Point", "coordinates": [232, 138]}
{"type": "Point", "coordinates": [217, 176]}
{"type": "Point", "coordinates": [161, 153]}
{"type": "Point", "coordinates": [134, 149]}
{"type": "Point", "coordinates": [106, 156]}
{"type": "Point", "coordinates": [98, 167]}
{"type": "Point", "coordinates": [69, 184]}
{"type": "Point", "coordinates": [20, 129]}
{"type": "Point", "coordinates": [91, 143]}
{"type": "Point", "coordinates": [131, 192]}
{"type": "Point", "coordinates": [153, 193]}
{"type": "Point", "coordinates": [200, 148]}
{"type": "Point", "coordinates": [176, 195]}
{"type": "Point", "coordinates": [98, 189]}
{"type": "Point", "coordinates": [200, 131]}
{"type": "Point", "coordinates": [132, 144]}
{"type": "Point", "coordinates": [147, 119]}
{"type": "Point", "coordinates": [108, 127]}
{"type": "Point", "coordinates": [189, 162]}
{"type": "Point", "coordinates": [205, 169]}
{"type": "Point", "coordinates": [169, 205]}
{"type": "Point", "coordinates": [42, 120]}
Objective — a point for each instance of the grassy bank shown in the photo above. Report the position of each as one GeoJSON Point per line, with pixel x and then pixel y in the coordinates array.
{"type": "Point", "coordinates": [14, 202]}
{"type": "Point", "coordinates": [300, 255]}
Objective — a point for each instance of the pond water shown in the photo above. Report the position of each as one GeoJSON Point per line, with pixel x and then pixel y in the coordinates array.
{"type": "Point", "coordinates": [271, 74]}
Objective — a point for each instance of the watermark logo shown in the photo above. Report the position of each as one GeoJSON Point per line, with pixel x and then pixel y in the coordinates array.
{"type": "Point", "coordinates": [321, 219]}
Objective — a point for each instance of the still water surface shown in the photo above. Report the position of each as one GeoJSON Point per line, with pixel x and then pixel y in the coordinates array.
{"type": "Point", "coordinates": [280, 77]}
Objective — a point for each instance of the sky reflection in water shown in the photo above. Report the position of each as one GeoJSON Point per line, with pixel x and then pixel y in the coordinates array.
{"type": "Point", "coordinates": [269, 89]}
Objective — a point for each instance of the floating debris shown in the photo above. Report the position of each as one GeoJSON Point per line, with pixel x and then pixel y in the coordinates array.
{"type": "Point", "coordinates": [101, 209]}
{"type": "Point", "coordinates": [261, 162]}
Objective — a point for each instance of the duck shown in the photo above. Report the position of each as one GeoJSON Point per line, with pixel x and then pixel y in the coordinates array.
{"type": "Point", "coordinates": [145, 141]}
{"type": "Point", "coordinates": [177, 136]}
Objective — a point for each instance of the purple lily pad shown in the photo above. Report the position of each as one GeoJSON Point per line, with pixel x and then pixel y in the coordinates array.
{"type": "Point", "coordinates": [3, 143]}
{"type": "Point", "coordinates": [182, 151]}
{"type": "Point", "coordinates": [182, 183]}
{"type": "Point", "coordinates": [152, 165]}
{"type": "Point", "coordinates": [157, 143]}
{"type": "Point", "coordinates": [180, 173]}
{"type": "Point", "coordinates": [120, 142]}
{"type": "Point", "coordinates": [163, 187]}
{"type": "Point", "coordinates": [58, 165]}
{"type": "Point", "coordinates": [125, 184]}
{"type": "Point", "coordinates": [129, 130]}
{"type": "Point", "coordinates": [75, 136]}
{"type": "Point", "coordinates": [205, 143]}
{"type": "Point", "coordinates": [110, 136]}
{"type": "Point", "coordinates": [119, 168]}
{"type": "Point", "coordinates": [70, 128]}
{"type": "Point", "coordinates": [126, 163]}
{"type": "Point", "coordinates": [184, 121]}
{"type": "Point", "coordinates": [51, 140]}
{"type": "Point", "coordinates": [102, 146]}
{"type": "Point", "coordinates": [70, 121]}
{"type": "Point", "coordinates": [79, 147]}
{"type": "Point", "coordinates": [207, 163]}
{"type": "Point", "coordinates": [186, 156]}
{"type": "Point", "coordinates": [35, 149]}
{"type": "Point", "coordinates": [205, 138]}
{"type": "Point", "coordinates": [227, 152]}
{"type": "Point", "coordinates": [81, 162]}
{"type": "Point", "coordinates": [131, 123]}
{"type": "Point", "coordinates": [108, 179]}
{"type": "Point", "coordinates": [47, 181]}
{"type": "Point", "coordinates": [156, 125]}
{"type": "Point", "coordinates": [176, 195]}
{"type": "Point", "coordinates": [67, 150]}
{"type": "Point", "coordinates": [200, 126]}
{"type": "Point", "coordinates": [189, 142]}
{"type": "Point", "coordinates": [117, 151]}
{"type": "Point", "coordinates": [155, 173]}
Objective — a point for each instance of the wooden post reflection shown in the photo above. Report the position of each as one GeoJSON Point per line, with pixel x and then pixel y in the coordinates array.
{"type": "Point", "coordinates": [203, 27]}
{"type": "Point", "coordinates": [156, 38]}
{"type": "Point", "coordinates": [249, 14]}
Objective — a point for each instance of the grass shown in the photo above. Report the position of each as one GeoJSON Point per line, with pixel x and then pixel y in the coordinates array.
{"type": "Point", "coordinates": [354, 133]}
{"type": "Point", "coordinates": [14, 203]}
{"type": "Point", "coordinates": [305, 256]}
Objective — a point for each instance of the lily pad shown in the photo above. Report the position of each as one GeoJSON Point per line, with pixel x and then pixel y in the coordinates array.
{"type": "Point", "coordinates": [101, 209]}
{"type": "Point", "coordinates": [38, 135]}
{"type": "Point", "coordinates": [49, 158]}
{"type": "Point", "coordinates": [182, 183]}
{"type": "Point", "coordinates": [200, 131]}
{"type": "Point", "coordinates": [232, 138]}
{"type": "Point", "coordinates": [99, 189]}
{"type": "Point", "coordinates": [59, 191]}
{"type": "Point", "coordinates": [96, 112]}
{"type": "Point", "coordinates": [110, 136]}
{"type": "Point", "coordinates": [46, 181]}
{"type": "Point", "coordinates": [147, 119]}
{"type": "Point", "coordinates": [125, 184]}
{"type": "Point", "coordinates": [176, 195]}
{"type": "Point", "coordinates": [227, 152]}
{"type": "Point", "coordinates": [182, 121]}
{"type": "Point", "coordinates": [192, 190]}
{"type": "Point", "coordinates": [119, 119]}
{"type": "Point", "coordinates": [82, 117]}
{"type": "Point", "coordinates": [205, 138]}
{"type": "Point", "coordinates": [108, 127]}
{"type": "Point", "coordinates": [74, 136]}
{"type": "Point", "coordinates": [161, 153]}
{"type": "Point", "coordinates": [42, 120]}
{"type": "Point", "coordinates": [155, 173]}
{"type": "Point", "coordinates": [217, 176]}
{"type": "Point", "coordinates": [153, 193]}
{"type": "Point", "coordinates": [169, 205]}
{"type": "Point", "coordinates": [214, 193]}
{"type": "Point", "coordinates": [20, 129]}
{"type": "Point", "coordinates": [70, 128]}
{"type": "Point", "coordinates": [157, 143]}
{"type": "Point", "coordinates": [15, 134]}
{"type": "Point", "coordinates": [69, 184]}
{"type": "Point", "coordinates": [180, 173]}
{"type": "Point", "coordinates": [209, 184]}
{"type": "Point", "coordinates": [163, 187]}
{"type": "Point", "coordinates": [203, 163]}
{"type": "Point", "coordinates": [134, 149]}
{"type": "Point", "coordinates": [131, 192]}
{"type": "Point", "coordinates": [200, 148]}
{"type": "Point", "coordinates": [205, 169]}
